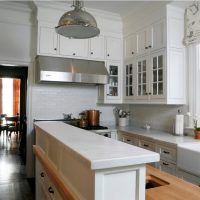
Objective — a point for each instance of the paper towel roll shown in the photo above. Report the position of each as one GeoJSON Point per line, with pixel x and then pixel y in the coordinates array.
{"type": "Point", "coordinates": [179, 124]}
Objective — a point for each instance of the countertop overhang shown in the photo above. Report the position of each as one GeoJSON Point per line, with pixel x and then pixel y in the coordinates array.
{"type": "Point", "coordinates": [97, 152]}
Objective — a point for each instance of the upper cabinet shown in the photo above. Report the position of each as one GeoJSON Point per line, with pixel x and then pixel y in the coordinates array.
{"type": "Point", "coordinates": [97, 48]}
{"type": "Point", "coordinates": [47, 41]}
{"type": "Point", "coordinates": [156, 74]}
{"type": "Point", "coordinates": [130, 46]}
{"type": "Point", "coordinates": [113, 48]}
{"type": "Point", "coordinates": [73, 47]}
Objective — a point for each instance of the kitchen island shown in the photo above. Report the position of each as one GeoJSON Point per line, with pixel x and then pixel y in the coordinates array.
{"type": "Point", "coordinates": [82, 165]}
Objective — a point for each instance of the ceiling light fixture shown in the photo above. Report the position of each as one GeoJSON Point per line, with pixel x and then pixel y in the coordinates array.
{"type": "Point", "coordinates": [77, 23]}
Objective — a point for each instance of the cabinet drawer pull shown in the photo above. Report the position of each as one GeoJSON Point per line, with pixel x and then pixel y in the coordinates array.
{"type": "Point", "coordinates": [166, 152]}
{"type": "Point", "coordinates": [55, 49]}
{"type": "Point", "coordinates": [146, 47]}
{"type": "Point", "coordinates": [150, 46]}
{"type": "Point", "coordinates": [74, 54]}
{"type": "Point", "coordinates": [132, 52]}
{"type": "Point", "coordinates": [145, 145]}
{"type": "Point", "coordinates": [149, 93]}
{"type": "Point", "coordinates": [165, 164]}
{"type": "Point", "coordinates": [108, 54]}
{"type": "Point", "coordinates": [128, 140]}
{"type": "Point", "coordinates": [42, 174]}
{"type": "Point", "coordinates": [50, 189]}
{"type": "Point", "coordinates": [91, 53]}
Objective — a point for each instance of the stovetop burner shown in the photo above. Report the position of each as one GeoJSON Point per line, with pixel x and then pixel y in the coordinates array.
{"type": "Point", "coordinates": [95, 128]}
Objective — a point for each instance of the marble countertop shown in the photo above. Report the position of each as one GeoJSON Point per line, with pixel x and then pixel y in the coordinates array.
{"type": "Point", "coordinates": [100, 152]}
{"type": "Point", "coordinates": [161, 136]}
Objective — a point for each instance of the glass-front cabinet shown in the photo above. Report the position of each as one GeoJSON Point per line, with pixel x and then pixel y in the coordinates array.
{"type": "Point", "coordinates": [157, 75]}
{"type": "Point", "coordinates": [113, 85]}
{"type": "Point", "coordinates": [129, 80]}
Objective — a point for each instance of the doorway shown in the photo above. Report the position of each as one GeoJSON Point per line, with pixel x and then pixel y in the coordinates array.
{"type": "Point", "coordinates": [13, 83]}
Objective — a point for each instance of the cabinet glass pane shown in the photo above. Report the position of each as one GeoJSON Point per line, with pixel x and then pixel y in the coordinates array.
{"type": "Point", "coordinates": [113, 91]}
{"type": "Point", "coordinates": [130, 80]}
{"type": "Point", "coordinates": [154, 75]}
{"type": "Point", "coordinates": [131, 69]}
{"type": "Point", "coordinates": [139, 66]}
{"type": "Point", "coordinates": [144, 89]}
{"type": "Point", "coordinates": [144, 77]}
{"type": "Point", "coordinates": [160, 88]}
{"type": "Point", "coordinates": [144, 65]}
{"type": "Point", "coordinates": [155, 89]}
{"type": "Point", "coordinates": [139, 90]}
{"type": "Point", "coordinates": [155, 63]}
{"type": "Point", "coordinates": [160, 61]}
{"type": "Point", "coordinates": [126, 91]}
{"type": "Point", "coordinates": [126, 80]}
{"type": "Point", "coordinates": [130, 91]}
{"type": "Point", "coordinates": [126, 69]}
{"type": "Point", "coordinates": [113, 70]}
{"type": "Point", "coordinates": [139, 78]}
{"type": "Point", "coordinates": [160, 75]}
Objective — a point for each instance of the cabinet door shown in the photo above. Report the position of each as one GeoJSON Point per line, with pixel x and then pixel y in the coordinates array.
{"type": "Point", "coordinates": [142, 78]}
{"type": "Point", "coordinates": [130, 81]}
{"type": "Point", "coordinates": [157, 74]}
{"type": "Point", "coordinates": [159, 36]}
{"type": "Point", "coordinates": [130, 46]}
{"type": "Point", "coordinates": [97, 47]}
{"type": "Point", "coordinates": [113, 87]}
{"type": "Point", "coordinates": [113, 48]}
{"type": "Point", "coordinates": [48, 41]}
{"type": "Point", "coordinates": [73, 47]}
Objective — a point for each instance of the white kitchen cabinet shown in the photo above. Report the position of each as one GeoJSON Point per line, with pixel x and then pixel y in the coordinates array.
{"type": "Point", "coordinates": [73, 47]}
{"type": "Point", "coordinates": [111, 92]}
{"type": "Point", "coordinates": [113, 48]}
{"type": "Point", "coordinates": [130, 80]}
{"type": "Point", "coordinates": [130, 46]}
{"type": "Point", "coordinates": [97, 48]}
{"type": "Point", "coordinates": [47, 41]}
{"type": "Point", "coordinates": [160, 63]}
{"type": "Point", "coordinates": [145, 40]}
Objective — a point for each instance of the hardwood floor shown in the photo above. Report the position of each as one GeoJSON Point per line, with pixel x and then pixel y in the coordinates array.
{"type": "Point", "coordinates": [13, 182]}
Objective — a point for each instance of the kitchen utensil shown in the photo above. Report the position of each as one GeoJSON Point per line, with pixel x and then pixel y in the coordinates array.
{"type": "Point", "coordinates": [93, 117]}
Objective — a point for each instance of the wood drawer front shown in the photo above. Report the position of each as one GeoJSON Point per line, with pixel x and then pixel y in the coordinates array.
{"type": "Point", "coordinates": [167, 167]}
{"type": "Point", "coordinates": [167, 153]}
{"type": "Point", "coordinates": [147, 145]}
{"type": "Point", "coordinates": [131, 140]}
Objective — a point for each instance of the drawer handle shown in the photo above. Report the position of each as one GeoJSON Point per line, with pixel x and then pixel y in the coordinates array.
{"type": "Point", "coordinates": [165, 164]}
{"type": "Point", "coordinates": [166, 152]}
{"type": "Point", "coordinates": [145, 145]}
{"type": "Point", "coordinates": [50, 189]}
{"type": "Point", "coordinates": [128, 140]}
{"type": "Point", "coordinates": [42, 174]}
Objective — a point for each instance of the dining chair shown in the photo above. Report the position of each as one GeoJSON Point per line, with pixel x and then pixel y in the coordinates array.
{"type": "Point", "coordinates": [3, 125]}
{"type": "Point", "coordinates": [12, 126]}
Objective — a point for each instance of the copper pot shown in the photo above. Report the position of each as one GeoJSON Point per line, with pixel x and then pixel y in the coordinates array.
{"type": "Point", "coordinates": [83, 123]}
{"type": "Point", "coordinates": [93, 117]}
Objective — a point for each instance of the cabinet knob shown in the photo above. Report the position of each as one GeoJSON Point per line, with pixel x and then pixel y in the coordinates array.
{"type": "Point", "coordinates": [150, 46]}
{"type": "Point", "coordinates": [108, 54]}
{"type": "Point", "coordinates": [145, 145]}
{"type": "Point", "coordinates": [146, 47]}
{"type": "Point", "coordinates": [50, 189]}
{"type": "Point", "coordinates": [91, 53]}
{"type": "Point", "coordinates": [149, 93]}
{"type": "Point", "coordinates": [55, 49]}
{"type": "Point", "coordinates": [132, 52]}
{"type": "Point", "coordinates": [146, 93]}
{"type": "Point", "coordinates": [74, 54]}
{"type": "Point", "coordinates": [42, 174]}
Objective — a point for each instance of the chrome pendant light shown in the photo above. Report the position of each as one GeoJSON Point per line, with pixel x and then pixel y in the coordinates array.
{"type": "Point", "coordinates": [77, 23]}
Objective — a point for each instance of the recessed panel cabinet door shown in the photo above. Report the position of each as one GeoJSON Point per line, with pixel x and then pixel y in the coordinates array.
{"type": "Point", "coordinates": [97, 47]}
{"type": "Point", "coordinates": [48, 41]}
{"type": "Point", "coordinates": [130, 46]}
{"type": "Point", "coordinates": [113, 48]}
{"type": "Point", "coordinates": [73, 47]}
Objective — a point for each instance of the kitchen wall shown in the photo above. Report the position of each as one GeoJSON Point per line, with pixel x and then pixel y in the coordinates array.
{"type": "Point", "coordinates": [49, 101]}
{"type": "Point", "coordinates": [160, 117]}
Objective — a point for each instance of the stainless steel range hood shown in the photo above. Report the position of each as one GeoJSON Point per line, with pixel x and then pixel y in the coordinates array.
{"type": "Point", "coordinates": [70, 70]}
